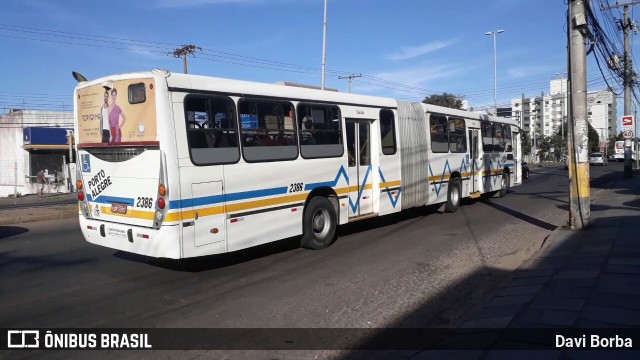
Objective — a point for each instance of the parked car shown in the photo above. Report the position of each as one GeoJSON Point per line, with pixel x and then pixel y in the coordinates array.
{"type": "Point", "coordinates": [525, 170]}
{"type": "Point", "coordinates": [597, 158]}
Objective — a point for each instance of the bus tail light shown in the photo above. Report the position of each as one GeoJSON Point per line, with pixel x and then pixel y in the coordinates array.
{"type": "Point", "coordinates": [161, 203]}
{"type": "Point", "coordinates": [82, 197]}
{"type": "Point", "coordinates": [163, 192]}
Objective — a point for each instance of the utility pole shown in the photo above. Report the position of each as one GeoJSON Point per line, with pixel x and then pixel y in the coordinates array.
{"type": "Point", "coordinates": [626, 24]}
{"type": "Point", "coordinates": [349, 78]}
{"type": "Point", "coordinates": [324, 44]}
{"type": "Point", "coordinates": [183, 51]}
{"type": "Point", "coordinates": [579, 197]}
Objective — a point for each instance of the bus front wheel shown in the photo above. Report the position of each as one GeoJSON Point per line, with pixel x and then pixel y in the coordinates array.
{"type": "Point", "coordinates": [319, 224]}
{"type": "Point", "coordinates": [453, 196]}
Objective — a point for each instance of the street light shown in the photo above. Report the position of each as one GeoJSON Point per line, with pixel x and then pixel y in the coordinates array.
{"type": "Point", "coordinates": [495, 68]}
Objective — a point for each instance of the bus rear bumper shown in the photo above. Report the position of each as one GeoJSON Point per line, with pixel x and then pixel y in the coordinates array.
{"type": "Point", "coordinates": [159, 243]}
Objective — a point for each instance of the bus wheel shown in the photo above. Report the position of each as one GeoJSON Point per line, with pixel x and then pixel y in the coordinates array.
{"type": "Point", "coordinates": [319, 224]}
{"type": "Point", "coordinates": [453, 196]}
{"type": "Point", "coordinates": [504, 186]}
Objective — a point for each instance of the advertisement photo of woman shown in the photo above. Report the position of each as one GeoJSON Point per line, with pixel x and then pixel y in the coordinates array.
{"type": "Point", "coordinates": [115, 113]}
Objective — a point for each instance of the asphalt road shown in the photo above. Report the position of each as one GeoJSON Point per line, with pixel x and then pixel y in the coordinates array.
{"type": "Point", "coordinates": [421, 268]}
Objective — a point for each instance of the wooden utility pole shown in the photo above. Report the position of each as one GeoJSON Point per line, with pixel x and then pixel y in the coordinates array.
{"type": "Point", "coordinates": [579, 197]}
{"type": "Point", "coordinates": [350, 78]}
{"type": "Point", "coordinates": [183, 51]}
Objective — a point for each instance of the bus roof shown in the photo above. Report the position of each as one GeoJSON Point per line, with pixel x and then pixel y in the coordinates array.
{"type": "Point", "coordinates": [189, 82]}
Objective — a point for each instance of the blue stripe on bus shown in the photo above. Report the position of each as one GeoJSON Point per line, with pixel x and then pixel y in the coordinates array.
{"type": "Point", "coordinates": [205, 200]}
{"type": "Point", "coordinates": [211, 200]}
{"type": "Point", "coordinates": [113, 199]}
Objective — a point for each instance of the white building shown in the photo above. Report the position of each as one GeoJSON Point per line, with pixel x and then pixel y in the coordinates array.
{"type": "Point", "coordinates": [543, 114]}
{"type": "Point", "coordinates": [30, 141]}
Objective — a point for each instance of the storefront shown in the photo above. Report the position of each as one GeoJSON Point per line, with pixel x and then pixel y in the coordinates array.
{"type": "Point", "coordinates": [49, 149]}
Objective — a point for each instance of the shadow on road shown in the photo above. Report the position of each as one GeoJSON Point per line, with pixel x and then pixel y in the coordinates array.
{"type": "Point", "coordinates": [507, 321]}
{"type": "Point", "coordinates": [522, 216]}
{"type": "Point", "coordinates": [8, 231]}
{"type": "Point", "coordinates": [213, 262]}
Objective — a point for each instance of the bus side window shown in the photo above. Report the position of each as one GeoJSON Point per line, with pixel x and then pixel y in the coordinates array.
{"type": "Point", "coordinates": [457, 136]}
{"type": "Point", "coordinates": [211, 130]}
{"type": "Point", "coordinates": [487, 137]}
{"type": "Point", "coordinates": [498, 138]}
{"type": "Point", "coordinates": [320, 132]}
{"type": "Point", "coordinates": [439, 134]}
{"type": "Point", "coordinates": [387, 132]}
{"type": "Point", "coordinates": [267, 130]}
{"type": "Point", "coordinates": [507, 138]}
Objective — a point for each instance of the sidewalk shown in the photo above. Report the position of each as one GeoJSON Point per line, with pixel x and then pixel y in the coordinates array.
{"type": "Point", "coordinates": [32, 208]}
{"type": "Point", "coordinates": [586, 279]}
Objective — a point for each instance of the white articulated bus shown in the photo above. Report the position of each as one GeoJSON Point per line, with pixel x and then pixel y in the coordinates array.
{"type": "Point", "coordinates": [619, 150]}
{"type": "Point", "coordinates": [176, 166]}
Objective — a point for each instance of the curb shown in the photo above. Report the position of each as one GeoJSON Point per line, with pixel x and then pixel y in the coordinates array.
{"type": "Point", "coordinates": [65, 214]}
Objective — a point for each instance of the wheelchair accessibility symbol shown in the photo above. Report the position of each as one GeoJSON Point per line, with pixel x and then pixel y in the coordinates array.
{"type": "Point", "coordinates": [86, 163]}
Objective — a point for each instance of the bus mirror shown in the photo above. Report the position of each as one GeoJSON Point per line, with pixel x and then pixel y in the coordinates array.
{"type": "Point", "coordinates": [79, 77]}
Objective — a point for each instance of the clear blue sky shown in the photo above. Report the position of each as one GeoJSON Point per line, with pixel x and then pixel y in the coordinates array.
{"type": "Point", "coordinates": [406, 48]}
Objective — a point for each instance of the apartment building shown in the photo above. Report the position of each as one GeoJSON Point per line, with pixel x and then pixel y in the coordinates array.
{"type": "Point", "coordinates": [543, 114]}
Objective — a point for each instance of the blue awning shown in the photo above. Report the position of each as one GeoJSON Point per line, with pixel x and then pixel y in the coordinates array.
{"type": "Point", "coordinates": [45, 138]}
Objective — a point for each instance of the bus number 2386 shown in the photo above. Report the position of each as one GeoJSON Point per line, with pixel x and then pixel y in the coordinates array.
{"type": "Point", "coordinates": [296, 187]}
{"type": "Point", "coordinates": [144, 202]}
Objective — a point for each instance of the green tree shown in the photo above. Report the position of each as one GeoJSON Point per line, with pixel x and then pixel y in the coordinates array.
{"type": "Point", "coordinates": [593, 143]}
{"type": "Point", "coordinates": [525, 142]}
{"type": "Point", "coordinates": [543, 145]}
{"type": "Point", "coordinates": [594, 139]}
{"type": "Point", "coordinates": [444, 99]}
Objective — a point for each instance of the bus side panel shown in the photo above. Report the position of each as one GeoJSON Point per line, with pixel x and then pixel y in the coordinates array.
{"type": "Point", "coordinates": [265, 201]}
{"type": "Point", "coordinates": [389, 172]}
{"type": "Point", "coordinates": [197, 198]}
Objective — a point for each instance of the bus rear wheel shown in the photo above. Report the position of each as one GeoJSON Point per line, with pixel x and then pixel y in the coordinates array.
{"type": "Point", "coordinates": [453, 196]}
{"type": "Point", "coordinates": [504, 186]}
{"type": "Point", "coordinates": [319, 224]}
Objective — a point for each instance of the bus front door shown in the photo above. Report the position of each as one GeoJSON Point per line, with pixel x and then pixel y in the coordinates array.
{"type": "Point", "coordinates": [475, 163]}
{"type": "Point", "coordinates": [360, 168]}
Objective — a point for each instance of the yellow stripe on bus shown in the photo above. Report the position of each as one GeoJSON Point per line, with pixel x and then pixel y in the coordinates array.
{"type": "Point", "coordinates": [176, 215]}
{"type": "Point", "coordinates": [390, 183]}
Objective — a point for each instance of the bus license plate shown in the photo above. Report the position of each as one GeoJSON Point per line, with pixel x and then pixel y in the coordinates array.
{"type": "Point", "coordinates": [119, 208]}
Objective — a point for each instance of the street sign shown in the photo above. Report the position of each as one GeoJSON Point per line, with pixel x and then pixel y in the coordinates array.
{"type": "Point", "coordinates": [627, 121]}
{"type": "Point", "coordinates": [627, 134]}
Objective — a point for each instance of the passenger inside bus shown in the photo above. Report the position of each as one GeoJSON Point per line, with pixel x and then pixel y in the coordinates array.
{"type": "Point", "coordinates": [262, 138]}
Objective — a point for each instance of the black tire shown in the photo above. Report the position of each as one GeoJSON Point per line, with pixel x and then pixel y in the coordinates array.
{"type": "Point", "coordinates": [318, 224]}
{"type": "Point", "coordinates": [504, 185]}
{"type": "Point", "coordinates": [454, 195]}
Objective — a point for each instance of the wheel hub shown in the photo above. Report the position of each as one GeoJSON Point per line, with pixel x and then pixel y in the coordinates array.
{"type": "Point", "coordinates": [320, 224]}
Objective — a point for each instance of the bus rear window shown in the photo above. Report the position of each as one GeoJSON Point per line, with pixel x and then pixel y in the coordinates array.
{"type": "Point", "coordinates": [137, 93]}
